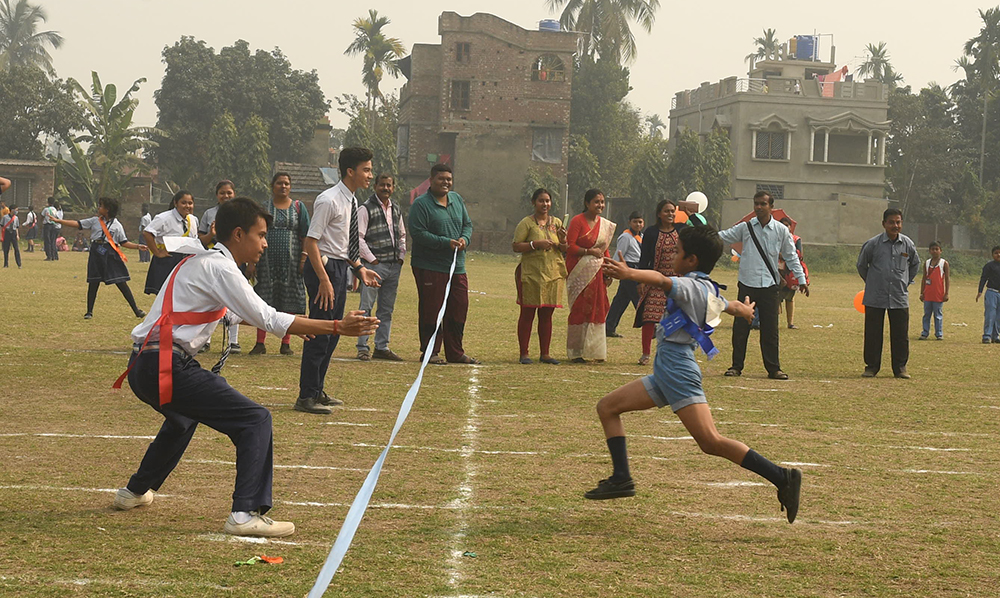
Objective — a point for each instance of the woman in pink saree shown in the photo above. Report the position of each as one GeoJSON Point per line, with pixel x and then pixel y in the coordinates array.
{"type": "Point", "coordinates": [588, 239]}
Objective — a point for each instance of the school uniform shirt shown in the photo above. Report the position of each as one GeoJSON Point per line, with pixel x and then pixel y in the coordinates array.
{"type": "Point", "coordinates": [7, 227]}
{"type": "Point", "coordinates": [629, 246]}
{"type": "Point", "coordinates": [29, 219]}
{"type": "Point", "coordinates": [331, 224]}
{"type": "Point", "coordinates": [172, 224]}
{"type": "Point", "coordinates": [49, 213]}
{"type": "Point", "coordinates": [888, 267]}
{"type": "Point", "coordinates": [208, 282]}
{"type": "Point", "coordinates": [144, 221]}
{"type": "Point", "coordinates": [691, 294]}
{"type": "Point", "coordinates": [775, 240]}
{"type": "Point", "coordinates": [93, 224]}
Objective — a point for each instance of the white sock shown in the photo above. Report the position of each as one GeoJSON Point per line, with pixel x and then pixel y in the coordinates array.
{"type": "Point", "coordinates": [241, 517]}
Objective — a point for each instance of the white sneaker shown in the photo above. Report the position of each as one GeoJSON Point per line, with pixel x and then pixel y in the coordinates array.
{"type": "Point", "coordinates": [260, 526]}
{"type": "Point", "coordinates": [125, 500]}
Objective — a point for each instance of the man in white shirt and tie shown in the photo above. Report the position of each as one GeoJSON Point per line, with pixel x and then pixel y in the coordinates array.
{"type": "Point", "coordinates": [163, 372]}
{"type": "Point", "coordinates": [758, 279]}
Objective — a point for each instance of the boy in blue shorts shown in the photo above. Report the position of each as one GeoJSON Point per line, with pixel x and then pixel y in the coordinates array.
{"type": "Point", "coordinates": [694, 306]}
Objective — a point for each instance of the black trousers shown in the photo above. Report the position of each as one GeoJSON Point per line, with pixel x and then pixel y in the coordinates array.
{"type": "Point", "coordinates": [316, 353]}
{"type": "Point", "coordinates": [899, 340]}
{"type": "Point", "coordinates": [10, 240]}
{"type": "Point", "coordinates": [203, 397]}
{"type": "Point", "coordinates": [628, 292]}
{"type": "Point", "coordinates": [767, 308]}
{"type": "Point", "coordinates": [49, 235]}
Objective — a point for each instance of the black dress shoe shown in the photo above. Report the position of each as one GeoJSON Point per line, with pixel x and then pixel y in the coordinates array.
{"type": "Point", "coordinates": [778, 375]}
{"type": "Point", "coordinates": [613, 335]}
{"type": "Point", "coordinates": [611, 489]}
{"type": "Point", "coordinates": [788, 496]}
{"type": "Point", "coordinates": [732, 373]}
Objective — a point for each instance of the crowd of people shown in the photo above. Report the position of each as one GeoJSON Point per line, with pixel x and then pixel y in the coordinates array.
{"type": "Point", "coordinates": [270, 264]}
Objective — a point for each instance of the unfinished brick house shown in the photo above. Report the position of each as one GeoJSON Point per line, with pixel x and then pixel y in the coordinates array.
{"type": "Point", "coordinates": [492, 99]}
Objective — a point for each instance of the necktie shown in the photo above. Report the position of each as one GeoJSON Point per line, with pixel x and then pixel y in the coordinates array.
{"type": "Point", "coordinates": [186, 226]}
{"type": "Point", "coordinates": [353, 248]}
{"type": "Point", "coordinates": [225, 346]}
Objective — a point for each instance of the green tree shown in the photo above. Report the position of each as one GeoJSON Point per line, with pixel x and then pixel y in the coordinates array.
{"type": "Point", "coordinates": [542, 177]}
{"type": "Point", "coordinates": [377, 133]}
{"type": "Point", "coordinates": [223, 150]}
{"type": "Point", "coordinates": [199, 86]}
{"type": "Point", "coordinates": [608, 25]}
{"type": "Point", "coordinates": [767, 47]}
{"type": "Point", "coordinates": [983, 54]}
{"type": "Point", "coordinates": [655, 123]}
{"type": "Point", "coordinates": [252, 174]}
{"type": "Point", "coordinates": [33, 106]}
{"type": "Point", "coordinates": [685, 172]}
{"type": "Point", "coordinates": [717, 171]}
{"type": "Point", "coordinates": [649, 175]}
{"type": "Point", "coordinates": [877, 66]}
{"type": "Point", "coordinates": [21, 43]}
{"type": "Point", "coordinates": [584, 170]}
{"type": "Point", "coordinates": [379, 54]}
{"type": "Point", "coordinates": [115, 145]}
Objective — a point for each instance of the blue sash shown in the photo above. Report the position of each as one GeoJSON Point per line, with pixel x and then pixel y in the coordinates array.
{"type": "Point", "coordinates": [675, 319]}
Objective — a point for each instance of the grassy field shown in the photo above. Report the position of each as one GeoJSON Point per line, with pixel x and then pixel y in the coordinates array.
{"type": "Point", "coordinates": [483, 494]}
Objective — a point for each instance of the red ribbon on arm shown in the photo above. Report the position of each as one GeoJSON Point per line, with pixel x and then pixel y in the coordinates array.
{"type": "Point", "coordinates": [166, 322]}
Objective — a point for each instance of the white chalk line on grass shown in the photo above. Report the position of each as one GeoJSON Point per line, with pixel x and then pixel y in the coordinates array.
{"type": "Point", "coordinates": [664, 437]}
{"type": "Point", "coordinates": [734, 484]}
{"type": "Point", "coordinates": [934, 471]}
{"type": "Point", "coordinates": [930, 448]}
{"type": "Point", "coordinates": [756, 389]}
{"type": "Point", "coordinates": [103, 436]}
{"type": "Point", "coordinates": [462, 503]}
{"type": "Point", "coordinates": [345, 424]}
{"type": "Point", "coordinates": [247, 540]}
{"type": "Point", "coordinates": [446, 450]}
{"type": "Point", "coordinates": [321, 467]}
{"type": "Point", "coordinates": [748, 518]}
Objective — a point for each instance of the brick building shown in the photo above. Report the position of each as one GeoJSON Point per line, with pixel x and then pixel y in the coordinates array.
{"type": "Point", "coordinates": [33, 182]}
{"type": "Point", "coordinates": [492, 99]}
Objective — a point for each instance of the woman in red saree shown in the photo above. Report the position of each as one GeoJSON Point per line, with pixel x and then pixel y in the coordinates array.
{"type": "Point", "coordinates": [588, 239]}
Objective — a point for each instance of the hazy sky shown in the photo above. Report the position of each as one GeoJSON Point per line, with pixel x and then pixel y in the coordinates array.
{"type": "Point", "coordinates": [691, 42]}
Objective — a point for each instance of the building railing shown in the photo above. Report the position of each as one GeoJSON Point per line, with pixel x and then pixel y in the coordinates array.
{"type": "Point", "coordinates": [866, 90]}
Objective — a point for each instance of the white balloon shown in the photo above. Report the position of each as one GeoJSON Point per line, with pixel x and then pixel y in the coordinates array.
{"type": "Point", "coordinates": [700, 198]}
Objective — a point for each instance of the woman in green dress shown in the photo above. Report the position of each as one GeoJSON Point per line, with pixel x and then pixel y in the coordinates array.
{"type": "Point", "coordinates": [279, 271]}
{"type": "Point", "coordinates": [541, 276]}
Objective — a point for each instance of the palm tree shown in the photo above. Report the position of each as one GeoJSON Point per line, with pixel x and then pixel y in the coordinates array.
{"type": "Point", "coordinates": [655, 124]}
{"type": "Point", "coordinates": [115, 145]}
{"type": "Point", "coordinates": [982, 58]}
{"type": "Point", "coordinates": [378, 51]}
{"type": "Point", "coordinates": [607, 24]}
{"type": "Point", "coordinates": [877, 66]}
{"type": "Point", "coordinates": [767, 46]}
{"type": "Point", "coordinates": [21, 44]}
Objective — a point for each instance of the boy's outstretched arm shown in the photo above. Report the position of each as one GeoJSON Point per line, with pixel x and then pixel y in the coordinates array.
{"type": "Point", "coordinates": [621, 271]}
{"type": "Point", "coordinates": [742, 309]}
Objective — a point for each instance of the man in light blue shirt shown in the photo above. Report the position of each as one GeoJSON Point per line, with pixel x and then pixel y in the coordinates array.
{"type": "Point", "coordinates": [630, 246]}
{"type": "Point", "coordinates": [758, 279]}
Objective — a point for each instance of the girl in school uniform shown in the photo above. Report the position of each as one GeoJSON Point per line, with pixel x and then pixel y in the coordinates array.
{"type": "Point", "coordinates": [177, 222]}
{"type": "Point", "coordinates": [106, 262]}
{"type": "Point", "coordinates": [31, 223]}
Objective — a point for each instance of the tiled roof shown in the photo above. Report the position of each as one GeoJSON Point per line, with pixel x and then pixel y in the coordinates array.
{"type": "Point", "coordinates": [305, 177]}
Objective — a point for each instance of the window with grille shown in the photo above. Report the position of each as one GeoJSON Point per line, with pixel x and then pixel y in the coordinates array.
{"type": "Point", "coordinates": [546, 145]}
{"type": "Point", "coordinates": [548, 67]}
{"type": "Point", "coordinates": [770, 145]}
{"type": "Point", "coordinates": [460, 95]}
{"type": "Point", "coordinates": [402, 143]}
{"type": "Point", "coordinates": [19, 193]}
{"type": "Point", "coordinates": [775, 191]}
{"type": "Point", "coordinates": [463, 51]}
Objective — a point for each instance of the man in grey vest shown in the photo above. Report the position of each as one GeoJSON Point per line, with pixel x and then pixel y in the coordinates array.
{"type": "Point", "coordinates": [382, 240]}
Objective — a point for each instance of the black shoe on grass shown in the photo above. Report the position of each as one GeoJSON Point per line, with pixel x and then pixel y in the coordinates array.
{"type": "Point", "coordinates": [789, 495]}
{"type": "Point", "coordinates": [611, 489]}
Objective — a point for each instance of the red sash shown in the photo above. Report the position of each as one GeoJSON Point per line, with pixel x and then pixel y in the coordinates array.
{"type": "Point", "coordinates": [111, 241]}
{"type": "Point", "coordinates": [166, 322]}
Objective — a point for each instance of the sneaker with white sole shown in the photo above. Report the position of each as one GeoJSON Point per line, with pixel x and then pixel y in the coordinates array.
{"type": "Point", "coordinates": [125, 500]}
{"type": "Point", "coordinates": [259, 526]}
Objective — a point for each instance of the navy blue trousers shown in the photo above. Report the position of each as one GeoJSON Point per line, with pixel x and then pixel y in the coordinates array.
{"type": "Point", "coordinates": [316, 353]}
{"type": "Point", "coordinates": [203, 397]}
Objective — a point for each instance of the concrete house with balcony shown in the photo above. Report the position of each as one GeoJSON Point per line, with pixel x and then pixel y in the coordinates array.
{"type": "Point", "coordinates": [818, 147]}
{"type": "Point", "coordinates": [492, 99]}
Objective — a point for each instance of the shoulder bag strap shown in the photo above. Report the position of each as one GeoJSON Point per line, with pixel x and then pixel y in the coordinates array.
{"type": "Point", "coordinates": [760, 250]}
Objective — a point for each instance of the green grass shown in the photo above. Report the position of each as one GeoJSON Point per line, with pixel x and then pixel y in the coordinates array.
{"type": "Point", "coordinates": [494, 461]}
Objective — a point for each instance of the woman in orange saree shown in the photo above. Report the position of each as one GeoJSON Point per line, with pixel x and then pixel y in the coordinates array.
{"type": "Point", "coordinates": [588, 239]}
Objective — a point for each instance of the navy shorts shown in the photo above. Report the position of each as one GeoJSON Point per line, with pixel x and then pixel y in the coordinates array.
{"type": "Point", "coordinates": [676, 378]}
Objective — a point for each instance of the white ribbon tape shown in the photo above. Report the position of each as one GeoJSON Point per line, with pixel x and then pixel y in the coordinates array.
{"type": "Point", "coordinates": [360, 504]}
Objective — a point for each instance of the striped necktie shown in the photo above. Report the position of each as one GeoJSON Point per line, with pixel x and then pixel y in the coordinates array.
{"type": "Point", "coordinates": [187, 226]}
{"type": "Point", "coordinates": [225, 346]}
{"type": "Point", "coordinates": [353, 246]}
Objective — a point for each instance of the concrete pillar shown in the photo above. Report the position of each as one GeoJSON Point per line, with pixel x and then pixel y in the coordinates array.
{"type": "Point", "coordinates": [753, 145]}
{"type": "Point", "coordinates": [881, 150]}
{"type": "Point", "coordinates": [868, 161]}
{"type": "Point", "coordinates": [826, 145]}
{"type": "Point", "coordinates": [812, 144]}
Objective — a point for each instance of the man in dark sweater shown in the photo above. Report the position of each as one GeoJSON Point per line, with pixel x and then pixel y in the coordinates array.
{"type": "Point", "coordinates": [382, 241]}
{"type": "Point", "coordinates": [439, 224]}
{"type": "Point", "coordinates": [991, 280]}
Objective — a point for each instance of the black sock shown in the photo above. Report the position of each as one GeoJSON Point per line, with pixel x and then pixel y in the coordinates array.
{"type": "Point", "coordinates": [127, 293]}
{"type": "Point", "coordinates": [619, 458]}
{"type": "Point", "coordinates": [764, 468]}
{"type": "Point", "coordinates": [92, 296]}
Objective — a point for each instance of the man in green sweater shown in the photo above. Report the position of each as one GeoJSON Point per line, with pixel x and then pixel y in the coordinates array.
{"type": "Point", "coordinates": [439, 224]}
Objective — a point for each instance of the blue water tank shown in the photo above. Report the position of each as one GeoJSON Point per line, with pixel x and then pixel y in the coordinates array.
{"type": "Point", "coordinates": [806, 47]}
{"type": "Point", "coordinates": [549, 25]}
